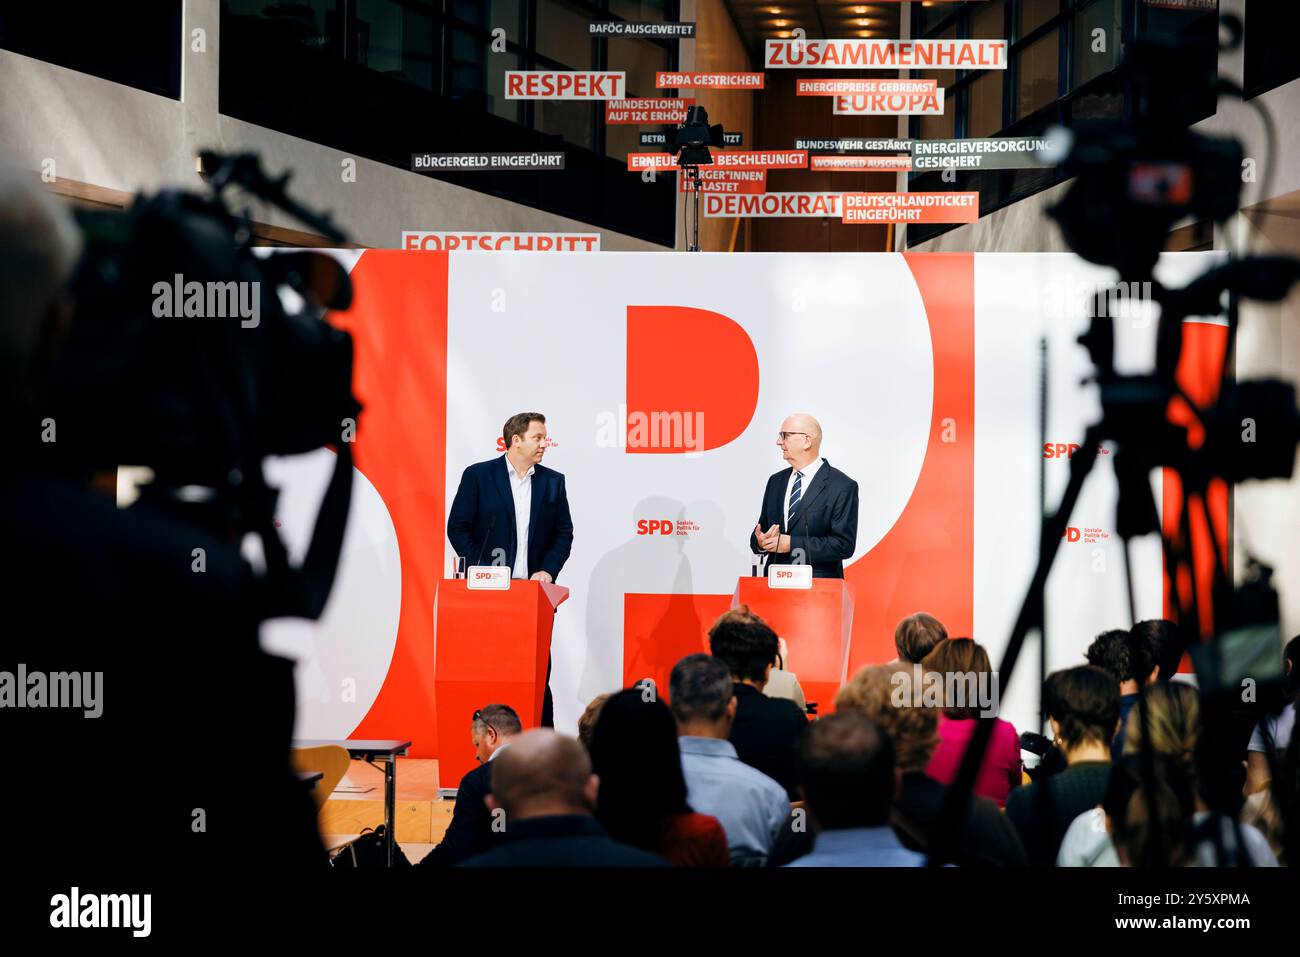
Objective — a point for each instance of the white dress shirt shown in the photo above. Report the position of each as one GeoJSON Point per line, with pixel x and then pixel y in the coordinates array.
{"type": "Point", "coordinates": [522, 489]}
{"type": "Point", "coordinates": [808, 471]}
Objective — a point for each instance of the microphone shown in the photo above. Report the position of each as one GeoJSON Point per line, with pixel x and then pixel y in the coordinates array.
{"type": "Point", "coordinates": [492, 521]}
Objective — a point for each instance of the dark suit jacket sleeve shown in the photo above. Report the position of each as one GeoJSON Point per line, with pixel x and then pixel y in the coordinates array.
{"type": "Point", "coordinates": [460, 522]}
{"type": "Point", "coordinates": [458, 844]}
{"type": "Point", "coordinates": [763, 520]}
{"type": "Point", "coordinates": [839, 544]}
{"type": "Point", "coordinates": [562, 539]}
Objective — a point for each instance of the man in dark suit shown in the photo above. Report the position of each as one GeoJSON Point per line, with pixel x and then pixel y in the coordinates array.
{"type": "Point", "coordinates": [514, 511]}
{"type": "Point", "coordinates": [545, 794]}
{"type": "Point", "coordinates": [810, 510]}
{"type": "Point", "coordinates": [767, 732]}
{"type": "Point", "coordinates": [470, 831]}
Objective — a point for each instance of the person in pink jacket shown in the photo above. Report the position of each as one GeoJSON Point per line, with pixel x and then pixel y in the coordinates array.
{"type": "Point", "coordinates": [969, 690]}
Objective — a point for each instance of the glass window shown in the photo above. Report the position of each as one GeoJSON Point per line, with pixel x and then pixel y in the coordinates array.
{"type": "Point", "coordinates": [310, 23]}
{"type": "Point", "coordinates": [1038, 74]}
{"type": "Point", "coordinates": [985, 97]}
{"type": "Point", "coordinates": [1089, 61]}
{"type": "Point", "coordinates": [621, 140]}
{"type": "Point", "coordinates": [939, 127]}
{"type": "Point", "coordinates": [1166, 21]}
{"type": "Point", "coordinates": [640, 60]}
{"type": "Point", "coordinates": [945, 78]}
{"type": "Point", "coordinates": [1034, 13]}
{"type": "Point", "coordinates": [931, 17]}
{"type": "Point", "coordinates": [562, 33]}
{"type": "Point", "coordinates": [571, 119]}
{"type": "Point", "coordinates": [397, 39]}
{"type": "Point", "coordinates": [496, 87]}
{"type": "Point", "coordinates": [989, 21]}
{"type": "Point", "coordinates": [1269, 60]}
{"type": "Point", "coordinates": [478, 75]}
{"type": "Point", "coordinates": [489, 14]}
{"type": "Point", "coordinates": [638, 11]}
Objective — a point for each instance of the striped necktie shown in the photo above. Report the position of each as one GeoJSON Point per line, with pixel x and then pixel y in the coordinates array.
{"type": "Point", "coordinates": [795, 493]}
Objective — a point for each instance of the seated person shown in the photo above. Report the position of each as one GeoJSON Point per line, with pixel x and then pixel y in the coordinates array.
{"type": "Point", "coordinates": [1083, 707]}
{"type": "Point", "coordinates": [750, 805]}
{"type": "Point", "coordinates": [1148, 823]}
{"type": "Point", "coordinates": [916, 636]}
{"type": "Point", "coordinates": [1126, 656]}
{"type": "Point", "coordinates": [987, 838]}
{"type": "Point", "coordinates": [967, 673]}
{"type": "Point", "coordinates": [850, 779]}
{"type": "Point", "coordinates": [470, 831]}
{"type": "Point", "coordinates": [642, 791]}
{"type": "Point", "coordinates": [587, 721]}
{"type": "Point", "coordinates": [1268, 742]}
{"type": "Point", "coordinates": [545, 795]}
{"type": "Point", "coordinates": [1174, 728]}
{"type": "Point", "coordinates": [767, 731]}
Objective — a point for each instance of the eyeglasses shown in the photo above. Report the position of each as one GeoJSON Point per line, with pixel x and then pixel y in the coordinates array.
{"type": "Point", "coordinates": [783, 436]}
{"type": "Point", "coordinates": [479, 719]}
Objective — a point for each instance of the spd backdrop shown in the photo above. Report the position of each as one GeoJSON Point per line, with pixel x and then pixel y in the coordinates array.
{"type": "Point", "coordinates": [924, 371]}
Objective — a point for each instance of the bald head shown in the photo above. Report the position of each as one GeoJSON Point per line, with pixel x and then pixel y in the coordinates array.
{"type": "Point", "coordinates": [803, 442]}
{"type": "Point", "coordinates": [41, 245]}
{"type": "Point", "coordinates": [540, 774]}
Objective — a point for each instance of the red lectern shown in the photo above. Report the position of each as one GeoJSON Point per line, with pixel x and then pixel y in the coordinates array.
{"type": "Point", "coordinates": [816, 624]}
{"type": "Point", "coordinates": [489, 645]}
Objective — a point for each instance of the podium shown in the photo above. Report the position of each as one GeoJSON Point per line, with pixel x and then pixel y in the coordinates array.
{"type": "Point", "coordinates": [490, 646]}
{"type": "Point", "coordinates": [816, 624]}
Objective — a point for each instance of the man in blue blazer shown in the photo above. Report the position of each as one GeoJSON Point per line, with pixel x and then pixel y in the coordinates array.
{"type": "Point", "coordinates": [514, 511]}
{"type": "Point", "coordinates": [809, 514]}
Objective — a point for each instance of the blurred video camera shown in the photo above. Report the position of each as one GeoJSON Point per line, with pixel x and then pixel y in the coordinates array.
{"type": "Point", "coordinates": [193, 356]}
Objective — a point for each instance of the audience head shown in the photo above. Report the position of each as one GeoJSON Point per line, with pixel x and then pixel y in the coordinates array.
{"type": "Point", "coordinates": [962, 662]}
{"type": "Point", "coordinates": [634, 753]}
{"type": "Point", "coordinates": [41, 244]}
{"type": "Point", "coordinates": [1125, 656]}
{"type": "Point", "coordinates": [702, 696]}
{"type": "Point", "coordinates": [1150, 826]}
{"type": "Point", "coordinates": [849, 777]}
{"type": "Point", "coordinates": [1109, 651]}
{"type": "Point", "coordinates": [1291, 664]}
{"type": "Point", "coordinates": [917, 635]}
{"type": "Point", "coordinates": [542, 774]}
{"type": "Point", "coordinates": [745, 643]}
{"type": "Point", "coordinates": [492, 726]}
{"type": "Point", "coordinates": [913, 730]}
{"type": "Point", "coordinates": [1173, 725]}
{"type": "Point", "coordinates": [1083, 705]}
{"type": "Point", "coordinates": [1164, 641]}
{"type": "Point", "coordinates": [587, 723]}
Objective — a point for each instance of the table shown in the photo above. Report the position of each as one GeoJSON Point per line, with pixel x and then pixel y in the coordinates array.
{"type": "Point", "coordinates": [387, 751]}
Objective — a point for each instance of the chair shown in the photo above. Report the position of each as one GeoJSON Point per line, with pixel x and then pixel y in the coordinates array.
{"type": "Point", "coordinates": [330, 760]}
